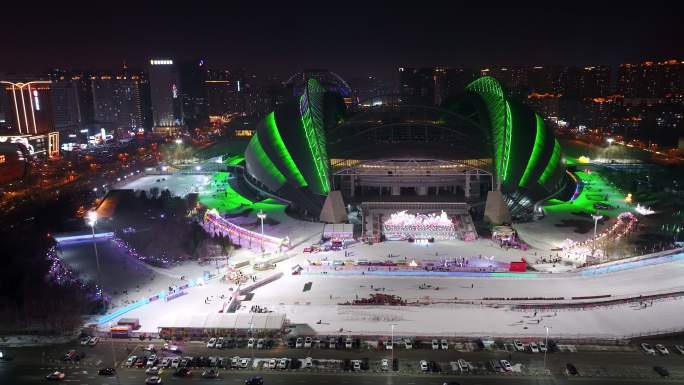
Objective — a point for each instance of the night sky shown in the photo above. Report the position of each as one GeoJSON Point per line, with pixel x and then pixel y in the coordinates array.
{"type": "Point", "coordinates": [352, 39]}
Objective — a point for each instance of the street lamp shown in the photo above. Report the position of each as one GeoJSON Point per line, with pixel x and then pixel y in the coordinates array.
{"type": "Point", "coordinates": [546, 344]}
{"type": "Point", "coordinates": [392, 342]}
{"type": "Point", "coordinates": [596, 217]}
{"type": "Point", "coordinates": [262, 215]}
{"type": "Point", "coordinates": [92, 221]}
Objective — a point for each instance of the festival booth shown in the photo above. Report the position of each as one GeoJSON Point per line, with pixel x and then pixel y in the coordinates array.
{"type": "Point", "coordinates": [338, 234]}
{"type": "Point", "coordinates": [506, 236]}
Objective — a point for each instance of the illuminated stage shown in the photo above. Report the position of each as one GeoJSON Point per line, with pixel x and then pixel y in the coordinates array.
{"type": "Point", "coordinates": [403, 225]}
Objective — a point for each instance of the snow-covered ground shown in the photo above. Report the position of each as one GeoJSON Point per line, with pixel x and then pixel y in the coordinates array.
{"type": "Point", "coordinates": [178, 184]}
{"type": "Point", "coordinates": [444, 316]}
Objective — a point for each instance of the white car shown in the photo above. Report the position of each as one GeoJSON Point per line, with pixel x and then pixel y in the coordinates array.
{"type": "Point", "coordinates": [175, 362]}
{"type": "Point", "coordinates": [357, 365]}
{"type": "Point", "coordinates": [662, 349]}
{"type": "Point", "coordinates": [307, 342]}
{"type": "Point", "coordinates": [153, 380]}
{"type": "Point", "coordinates": [519, 347]}
{"type": "Point", "coordinates": [423, 365]}
{"type": "Point", "coordinates": [348, 343]}
{"type": "Point", "coordinates": [155, 370]}
{"type": "Point", "coordinates": [212, 342]}
{"type": "Point", "coordinates": [93, 341]}
{"type": "Point", "coordinates": [533, 347]}
{"type": "Point", "coordinates": [299, 343]}
{"type": "Point", "coordinates": [542, 347]}
{"type": "Point", "coordinates": [506, 365]}
{"type": "Point", "coordinates": [235, 362]}
{"type": "Point", "coordinates": [165, 362]}
{"type": "Point", "coordinates": [463, 366]}
{"type": "Point", "coordinates": [151, 360]}
{"type": "Point", "coordinates": [408, 345]}
{"type": "Point", "coordinates": [219, 343]}
{"type": "Point", "coordinates": [308, 363]}
{"type": "Point", "coordinates": [272, 363]}
{"type": "Point", "coordinates": [85, 340]}
{"type": "Point", "coordinates": [435, 345]}
{"type": "Point", "coordinates": [679, 349]}
{"type": "Point", "coordinates": [250, 343]}
{"type": "Point", "coordinates": [244, 363]}
{"type": "Point", "coordinates": [444, 344]}
{"type": "Point", "coordinates": [260, 343]}
{"type": "Point", "coordinates": [384, 364]}
{"type": "Point", "coordinates": [648, 349]}
{"type": "Point", "coordinates": [282, 364]}
{"type": "Point", "coordinates": [389, 345]}
{"type": "Point", "coordinates": [131, 360]}
{"type": "Point", "coordinates": [332, 343]}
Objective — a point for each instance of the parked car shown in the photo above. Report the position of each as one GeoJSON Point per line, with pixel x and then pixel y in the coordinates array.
{"type": "Point", "coordinates": [348, 343]}
{"type": "Point", "coordinates": [444, 344]}
{"type": "Point", "coordinates": [250, 343]}
{"type": "Point", "coordinates": [131, 360]}
{"type": "Point", "coordinates": [332, 343]}
{"type": "Point", "coordinates": [151, 360]}
{"type": "Point", "coordinates": [648, 349]}
{"type": "Point", "coordinates": [679, 349]}
{"type": "Point", "coordinates": [254, 381]}
{"type": "Point", "coordinates": [283, 363]}
{"type": "Point", "coordinates": [423, 365]}
{"type": "Point", "coordinates": [662, 349]}
{"type": "Point", "coordinates": [542, 347]}
{"type": "Point", "coordinates": [299, 343]}
{"type": "Point", "coordinates": [356, 365]}
{"type": "Point", "coordinates": [307, 363]}
{"type": "Point", "coordinates": [155, 371]}
{"type": "Point", "coordinates": [389, 345]}
{"type": "Point", "coordinates": [571, 369]}
{"type": "Point", "coordinates": [662, 371]}
{"type": "Point", "coordinates": [463, 366]}
{"type": "Point", "coordinates": [93, 341]}
{"type": "Point", "coordinates": [153, 380]}
{"type": "Point", "coordinates": [212, 342]}
{"type": "Point", "coordinates": [165, 362]}
{"type": "Point", "coordinates": [182, 372]}
{"type": "Point", "coordinates": [384, 364]}
{"type": "Point", "coordinates": [219, 343]}
{"type": "Point", "coordinates": [55, 376]}
{"type": "Point", "coordinates": [211, 373]}
{"type": "Point", "coordinates": [506, 365]}
{"type": "Point", "coordinates": [105, 372]}
{"type": "Point", "coordinates": [307, 342]}
{"type": "Point", "coordinates": [235, 362]}
{"type": "Point", "coordinates": [85, 340]}
{"type": "Point", "coordinates": [260, 343]}
{"type": "Point", "coordinates": [518, 346]}
{"type": "Point", "coordinates": [244, 363]}
{"type": "Point", "coordinates": [272, 363]}
{"type": "Point", "coordinates": [408, 345]}
{"type": "Point", "coordinates": [435, 345]}
{"type": "Point", "coordinates": [533, 347]}
{"type": "Point", "coordinates": [175, 362]}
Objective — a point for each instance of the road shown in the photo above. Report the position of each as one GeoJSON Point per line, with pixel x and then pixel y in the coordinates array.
{"type": "Point", "coordinates": [624, 365]}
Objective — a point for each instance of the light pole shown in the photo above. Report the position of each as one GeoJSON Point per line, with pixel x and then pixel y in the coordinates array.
{"type": "Point", "coordinates": [392, 342]}
{"type": "Point", "coordinates": [596, 217]}
{"type": "Point", "coordinates": [546, 345]}
{"type": "Point", "coordinates": [111, 340]}
{"type": "Point", "coordinates": [262, 215]}
{"type": "Point", "coordinates": [92, 221]}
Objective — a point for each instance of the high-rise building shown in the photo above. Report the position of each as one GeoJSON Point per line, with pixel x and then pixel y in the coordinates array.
{"type": "Point", "coordinates": [30, 109]}
{"type": "Point", "coordinates": [651, 80]}
{"type": "Point", "coordinates": [165, 94]}
{"type": "Point", "coordinates": [193, 93]}
{"type": "Point", "coordinates": [221, 92]}
{"type": "Point", "coordinates": [66, 106]}
{"type": "Point", "coordinates": [116, 100]}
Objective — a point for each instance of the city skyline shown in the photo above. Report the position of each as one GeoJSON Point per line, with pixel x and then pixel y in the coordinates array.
{"type": "Point", "coordinates": [284, 41]}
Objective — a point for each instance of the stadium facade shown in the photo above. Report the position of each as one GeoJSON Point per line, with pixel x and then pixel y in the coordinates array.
{"type": "Point", "coordinates": [476, 141]}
